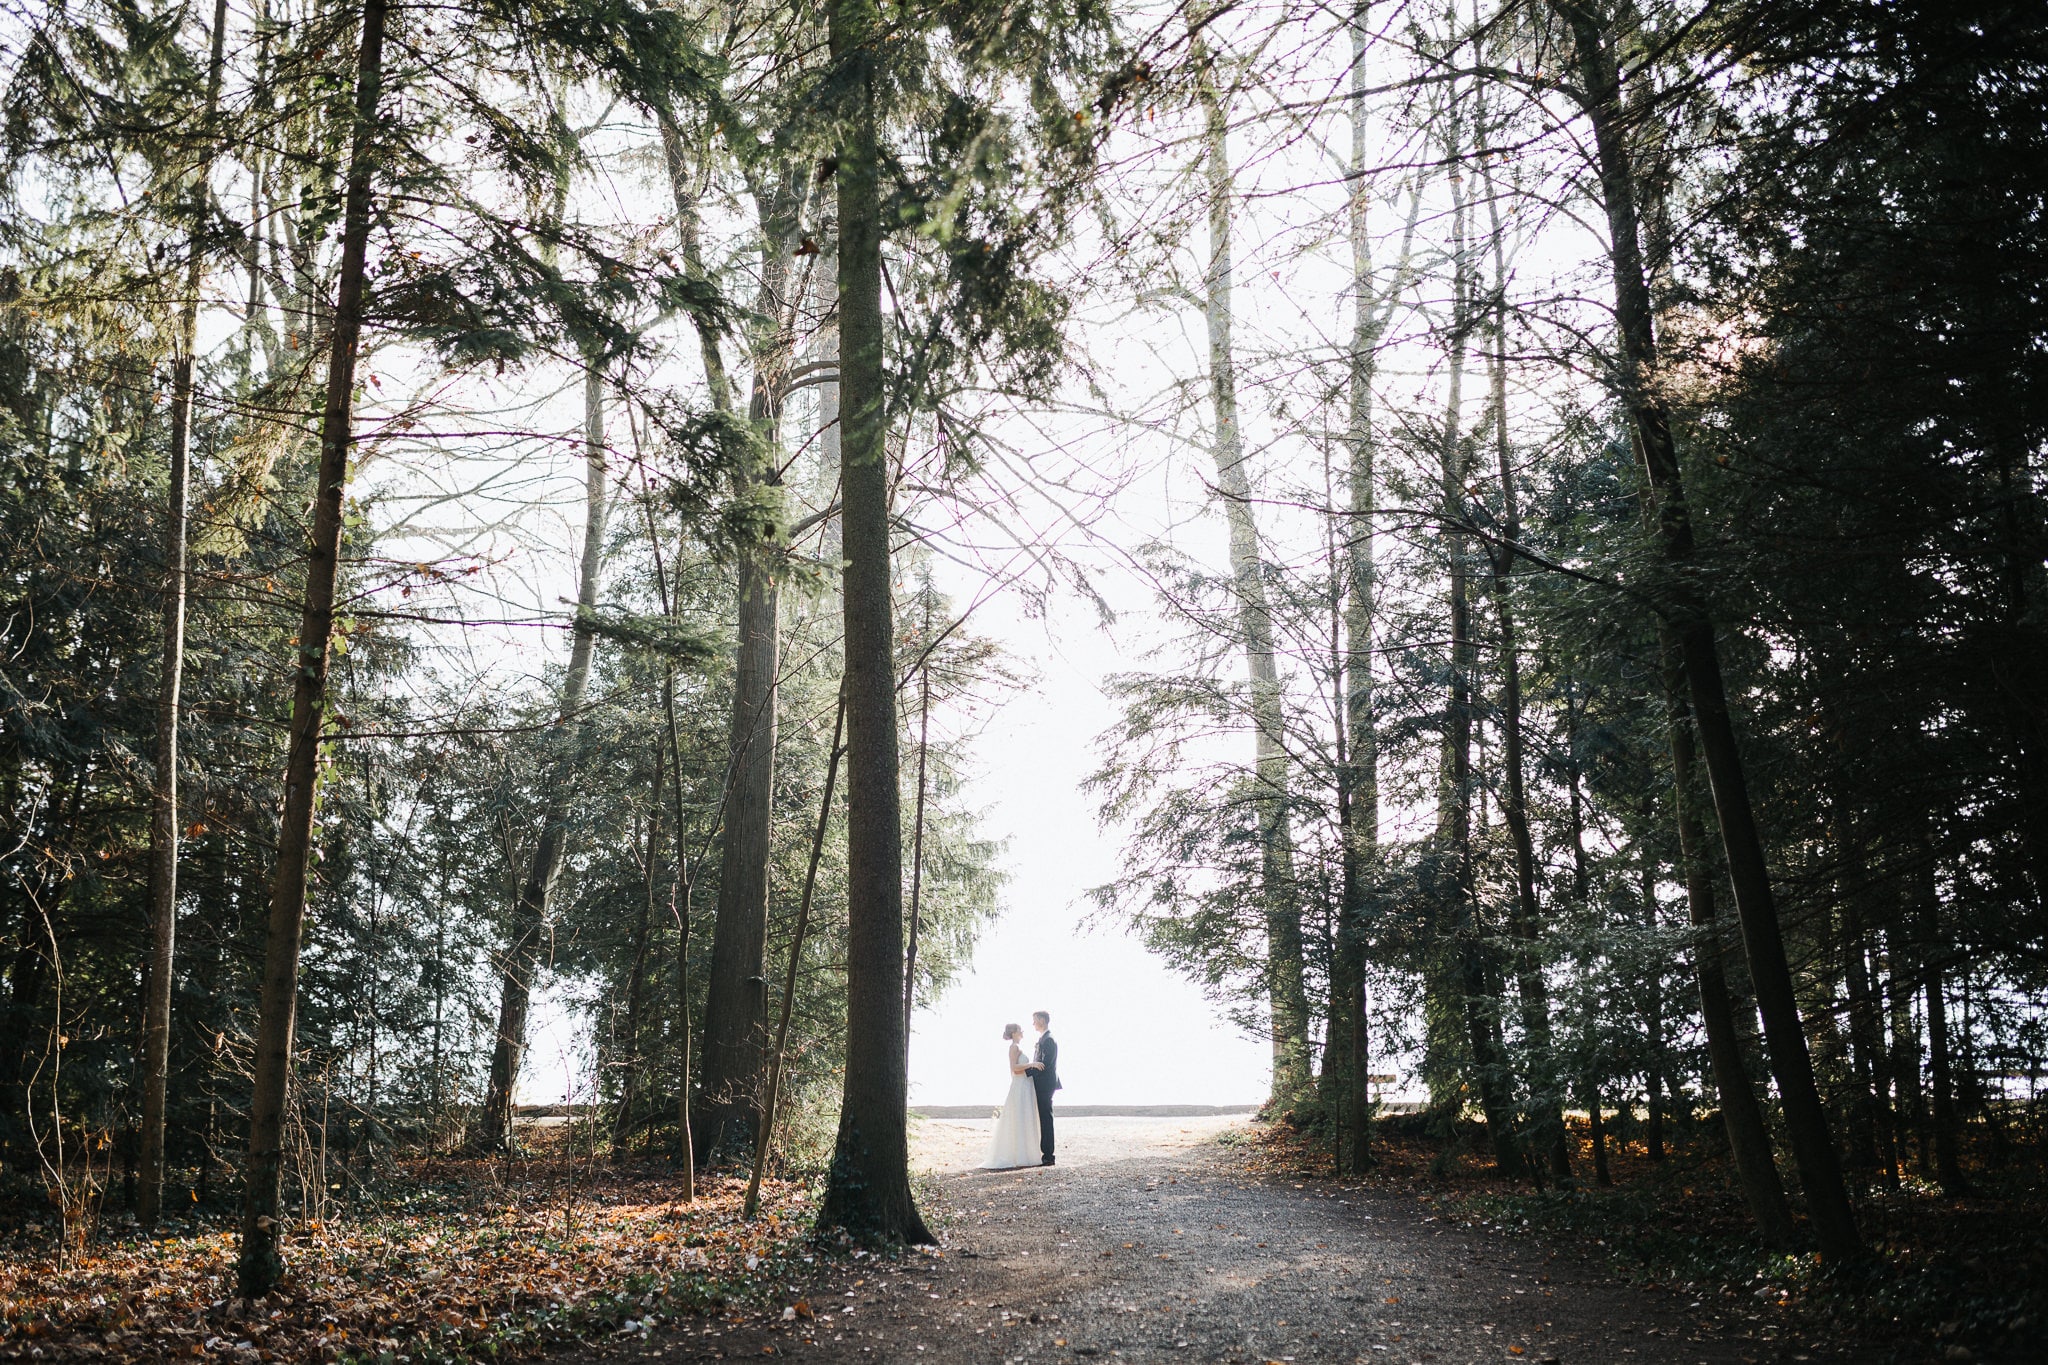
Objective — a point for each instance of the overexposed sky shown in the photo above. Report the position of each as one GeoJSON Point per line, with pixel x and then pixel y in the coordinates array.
{"type": "Point", "coordinates": [1130, 1032]}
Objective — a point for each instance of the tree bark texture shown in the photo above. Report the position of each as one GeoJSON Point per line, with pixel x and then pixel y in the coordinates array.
{"type": "Point", "coordinates": [773, 1095]}
{"type": "Point", "coordinates": [163, 814]}
{"type": "Point", "coordinates": [825, 351]}
{"type": "Point", "coordinates": [680, 889]}
{"type": "Point", "coordinates": [736, 990]}
{"type": "Point", "coordinates": [1742, 1116]}
{"type": "Point", "coordinates": [1806, 1121]}
{"type": "Point", "coordinates": [868, 1192]}
{"type": "Point", "coordinates": [736, 999]}
{"type": "Point", "coordinates": [1348, 1063]}
{"type": "Point", "coordinates": [1546, 1101]}
{"type": "Point", "coordinates": [1872, 1145]}
{"type": "Point", "coordinates": [1478, 996]}
{"type": "Point", "coordinates": [924, 737]}
{"type": "Point", "coordinates": [530, 910]}
{"type": "Point", "coordinates": [1948, 1166]}
{"type": "Point", "coordinates": [1908, 1098]}
{"type": "Point", "coordinates": [1655, 1046]}
{"type": "Point", "coordinates": [260, 1264]}
{"type": "Point", "coordinates": [636, 979]}
{"type": "Point", "coordinates": [1287, 995]}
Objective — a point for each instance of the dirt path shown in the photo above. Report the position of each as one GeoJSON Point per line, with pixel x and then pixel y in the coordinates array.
{"type": "Point", "coordinates": [1146, 1244]}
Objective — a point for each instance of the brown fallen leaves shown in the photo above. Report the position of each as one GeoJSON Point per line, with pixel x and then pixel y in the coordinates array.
{"type": "Point", "coordinates": [462, 1266]}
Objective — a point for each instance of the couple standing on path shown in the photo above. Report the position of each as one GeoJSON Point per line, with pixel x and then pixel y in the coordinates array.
{"type": "Point", "coordinates": [1023, 1135]}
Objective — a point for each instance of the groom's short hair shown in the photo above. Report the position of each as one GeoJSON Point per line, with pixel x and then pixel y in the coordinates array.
{"type": "Point", "coordinates": [1040, 1017]}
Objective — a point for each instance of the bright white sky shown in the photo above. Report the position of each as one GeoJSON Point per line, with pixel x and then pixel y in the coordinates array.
{"type": "Point", "coordinates": [1130, 1032]}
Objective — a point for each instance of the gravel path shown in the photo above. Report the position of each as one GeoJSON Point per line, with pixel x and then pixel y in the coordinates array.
{"type": "Point", "coordinates": [1146, 1243]}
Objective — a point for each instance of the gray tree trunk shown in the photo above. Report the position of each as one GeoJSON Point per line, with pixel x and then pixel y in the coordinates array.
{"type": "Point", "coordinates": [826, 488]}
{"type": "Point", "coordinates": [1287, 995]}
{"type": "Point", "coordinates": [1948, 1166]}
{"type": "Point", "coordinates": [163, 814]}
{"type": "Point", "coordinates": [868, 1192]}
{"type": "Point", "coordinates": [736, 991]}
{"type": "Point", "coordinates": [636, 979]}
{"type": "Point", "coordinates": [679, 893]}
{"type": "Point", "coordinates": [1742, 1116]}
{"type": "Point", "coordinates": [1478, 997]}
{"type": "Point", "coordinates": [259, 1265]}
{"type": "Point", "coordinates": [1348, 1062]}
{"type": "Point", "coordinates": [1546, 1089]}
{"type": "Point", "coordinates": [773, 1095]}
{"type": "Point", "coordinates": [924, 738]}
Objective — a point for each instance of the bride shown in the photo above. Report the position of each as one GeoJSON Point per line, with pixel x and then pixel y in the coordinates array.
{"type": "Point", "coordinates": [1015, 1141]}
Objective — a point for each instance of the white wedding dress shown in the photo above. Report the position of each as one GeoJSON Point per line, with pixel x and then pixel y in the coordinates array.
{"type": "Point", "coordinates": [1015, 1140]}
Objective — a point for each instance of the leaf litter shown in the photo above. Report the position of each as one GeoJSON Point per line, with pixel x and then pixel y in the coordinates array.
{"type": "Point", "coordinates": [450, 1262]}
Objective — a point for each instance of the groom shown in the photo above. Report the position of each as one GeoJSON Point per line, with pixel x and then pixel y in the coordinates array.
{"type": "Point", "coordinates": [1045, 1078]}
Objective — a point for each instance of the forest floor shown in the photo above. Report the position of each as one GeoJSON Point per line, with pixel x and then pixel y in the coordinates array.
{"type": "Point", "coordinates": [423, 1260]}
{"type": "Point", "coordinates": [1187, 1238]}
{"type": "Point", "coordinates": [1199, 1240]}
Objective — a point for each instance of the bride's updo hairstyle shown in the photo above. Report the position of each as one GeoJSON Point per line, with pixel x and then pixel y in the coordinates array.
{"type": "Point", "coordinates": [1012, 1031]}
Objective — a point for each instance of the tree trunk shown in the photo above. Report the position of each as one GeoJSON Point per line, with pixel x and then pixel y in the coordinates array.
{"type": "Point", "coordinates": [1948, 1167]}
{"type": "Point", "coordinates": [924, 735]}
{"type": "Point", "coordinates": [679, 904]}
{"type": "Point", "coordinates": [1479, 1000]}
{"type": "Point", "coordinates": [1653, 1028]}
{"type": "Point", "coordinates": [868, 1193]}
{"type": "Point", "coordinates": [1546, 1098]}
{"type": "Point", "coordinates": [1581, 889]}
{"type": "Point", "coordinates": [1347, 1065]}
{"type": "Point", "coordinates": [1909, 1101]}
{"type": "Point", "coordinates": [1597, 1132]}
{"type": "Point", "coordinates": [529, 912]}
{"type": "Point", "coordinates": [636, 980]}
{"type": "Point", "coordinates": [1742, 1116]}
{"type": "Point", "coordinates": [1575, 805]}
{"type": "Point", "coordinates": [675, 157]}
{"type": "Point", "coordinates": [1806, 1120]}
{"type": "Point", "coordinates": [736, 999]}
{"type": "Point", "coordinates": [773, 1097]}
{"type": "Point", "coordinates": [163, 814]}
{"type": "Point", "coordinates": [736, 991]}
{"type": "Point", "coordinates": [1287, 994]}
{"type": "Point", "coordinates": [260, 1264]}
{"type": "Point", "coordinates": [825, 418]}
{"type": "Point", "coordinates": [1873, 1145]}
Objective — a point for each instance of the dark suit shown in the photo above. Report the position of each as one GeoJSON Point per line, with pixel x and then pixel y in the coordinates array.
{"type": "Point", "coordinates": [1045, 1080]}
